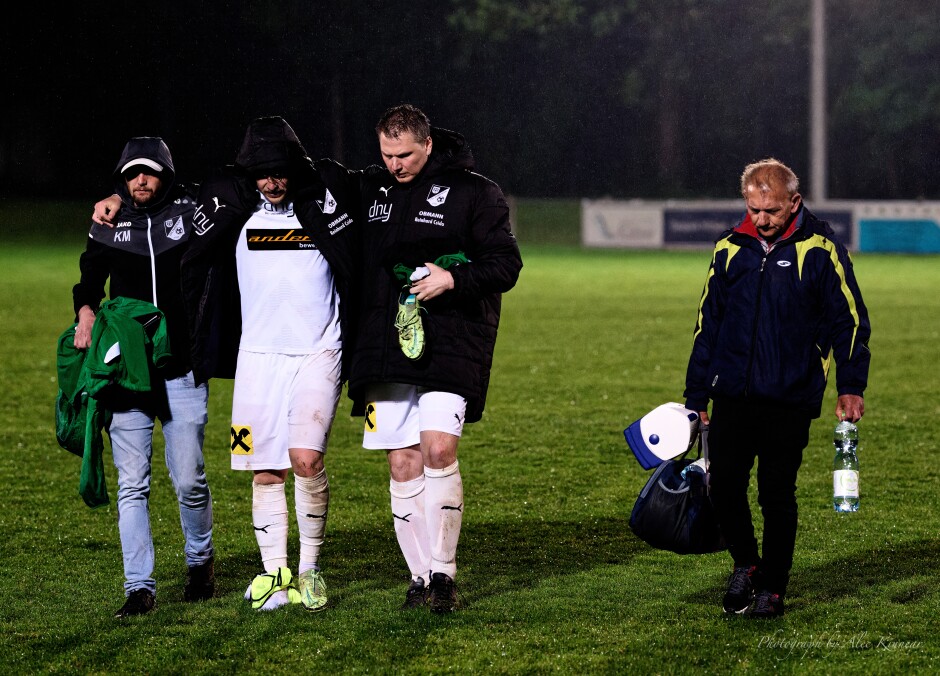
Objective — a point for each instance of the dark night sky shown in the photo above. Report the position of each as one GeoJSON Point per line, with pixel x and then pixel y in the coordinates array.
{"type": "Point", "coordinates": [83, 80]}
{"type": "Point", "coordinates": [567, 114]}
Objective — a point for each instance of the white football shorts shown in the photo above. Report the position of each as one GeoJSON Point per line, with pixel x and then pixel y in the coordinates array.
{"type": "Point", "coordinates": [282, 401]}
{"type": "Point", "coordinates": [396, 414]}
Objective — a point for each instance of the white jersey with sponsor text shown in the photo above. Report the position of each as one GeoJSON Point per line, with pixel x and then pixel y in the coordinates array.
{"type": "Point", "coordinates": [288, 296]}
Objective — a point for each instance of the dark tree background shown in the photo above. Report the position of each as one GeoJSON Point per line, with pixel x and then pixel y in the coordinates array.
{"type": "Point", "coordinates": [558, 98]}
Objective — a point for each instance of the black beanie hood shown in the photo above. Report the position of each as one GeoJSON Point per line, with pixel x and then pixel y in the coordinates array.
{"type": "Point", "coordinates": [271, 145]}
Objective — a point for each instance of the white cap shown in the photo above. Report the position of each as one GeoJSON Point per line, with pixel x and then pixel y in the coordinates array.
{"type": "Point", "coordinates": [665, 432]}
{"type": "Point", "coordinates": [144, 161]}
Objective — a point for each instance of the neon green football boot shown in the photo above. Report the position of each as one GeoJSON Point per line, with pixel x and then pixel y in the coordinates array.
{"type": "Point", "coordinates": [409, 326]}
{"type": "Point", "coordinates": [266, 585]}
{"type": "Point", "coordinates": [312, 590]}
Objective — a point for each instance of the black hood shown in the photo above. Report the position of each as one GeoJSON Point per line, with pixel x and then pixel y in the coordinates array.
{"type": "Point", "coordinates": [271, 144]}
{"type": "Point", "coordinates": [150, 148]}
{"type": "Point", "coordinates": [449, 150]}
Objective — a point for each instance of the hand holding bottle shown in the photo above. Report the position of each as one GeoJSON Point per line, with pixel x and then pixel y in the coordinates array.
{"type": "Point", "coordinates": [845, 468]}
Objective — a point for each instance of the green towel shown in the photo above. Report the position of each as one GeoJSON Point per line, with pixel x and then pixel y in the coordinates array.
{"type": "Point", "coordinates": [129, 337]}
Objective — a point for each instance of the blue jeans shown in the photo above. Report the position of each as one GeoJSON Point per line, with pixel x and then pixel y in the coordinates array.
{"type": "Point", "coordinates": [131, 435]}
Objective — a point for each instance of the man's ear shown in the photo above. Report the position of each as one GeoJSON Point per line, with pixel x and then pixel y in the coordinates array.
{"type": "Point", "coordinates": [795, 202]}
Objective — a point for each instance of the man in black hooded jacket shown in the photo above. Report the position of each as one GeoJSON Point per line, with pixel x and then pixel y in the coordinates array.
{"type": "Point", "coordinates": [438, 254]}
{"type": "Point", "coordinates": [141, 257]}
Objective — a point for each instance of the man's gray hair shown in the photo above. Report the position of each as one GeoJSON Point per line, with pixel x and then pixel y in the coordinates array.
{"type": "Point", "coordinates": [767, 174]}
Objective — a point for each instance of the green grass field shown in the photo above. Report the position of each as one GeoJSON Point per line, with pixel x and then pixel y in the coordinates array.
{"type": "Point", "coordinates": [551, 578]}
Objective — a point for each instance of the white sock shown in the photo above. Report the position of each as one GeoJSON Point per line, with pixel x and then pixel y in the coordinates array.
{"type": "Point", "coordinates": [311, 502]}
{"type": "Point", "coordinates": [276, 600]}
{"type": "Point", "coordinates": [269, 514]}
{"type": "Point", "coordinates": [410, 526]}
{"type": "Point", "coordinates": [444, 508]}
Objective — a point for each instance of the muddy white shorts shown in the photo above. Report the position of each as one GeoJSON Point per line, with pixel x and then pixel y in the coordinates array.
{"type": "Point", "coordinates": [282, 401]}
{"type": "Point", "coordinates": [396, 414]}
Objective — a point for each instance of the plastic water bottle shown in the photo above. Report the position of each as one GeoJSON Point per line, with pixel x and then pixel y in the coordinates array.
{"type": "Point", "coordinates": [695, 476]}
{"type": "Point", "coordinates": [845, 468]}
{"type": "Point", "coordinates": [697, 467]}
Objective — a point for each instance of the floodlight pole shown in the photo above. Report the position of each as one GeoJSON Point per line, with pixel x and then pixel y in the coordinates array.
{"type": "Point", "coordinates": [817, 97]}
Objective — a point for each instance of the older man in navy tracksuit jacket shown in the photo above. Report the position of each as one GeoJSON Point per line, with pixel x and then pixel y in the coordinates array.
{"type": "Point", "coordinates": [779, 301]}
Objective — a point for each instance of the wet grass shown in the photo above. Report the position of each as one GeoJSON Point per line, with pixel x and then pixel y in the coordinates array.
{"type": "Point", "coordinates": [550, 576]}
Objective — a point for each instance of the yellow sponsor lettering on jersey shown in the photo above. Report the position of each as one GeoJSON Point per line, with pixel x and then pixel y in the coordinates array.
{"type": "Point", "coordinates": [241, 440]}
{"type": "Point", "coordinates": [287, 236]}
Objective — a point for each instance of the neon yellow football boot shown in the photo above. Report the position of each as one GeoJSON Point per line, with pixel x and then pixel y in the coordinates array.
{"type": "Point", "coordinates": [410, 328]}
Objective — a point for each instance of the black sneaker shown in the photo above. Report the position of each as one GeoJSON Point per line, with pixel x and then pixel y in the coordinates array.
{"type": "Point", "coordinates": [200, 582]}
{"type": "Point", "coordinates": [417, 596]}
{"type": "Point", "coordinates": [139, 602]}
{"type": "Point", "coordinates": [740, 589]}
{"type": "Point", "coordinates": [765, 605]}
{"type": "Point", "coordinates": [442, 595]}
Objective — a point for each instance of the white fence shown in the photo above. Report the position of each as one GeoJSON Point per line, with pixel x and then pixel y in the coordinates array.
{"type": "Point", "coordinates": [900, 227]}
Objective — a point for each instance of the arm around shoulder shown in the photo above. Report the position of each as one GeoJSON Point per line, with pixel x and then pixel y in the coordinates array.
{"type": "Point", "coordinates": [106, 210]}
